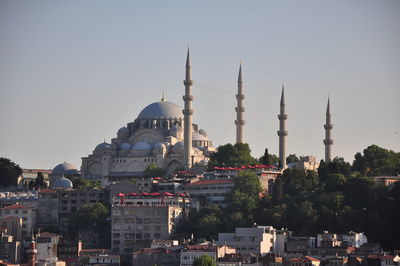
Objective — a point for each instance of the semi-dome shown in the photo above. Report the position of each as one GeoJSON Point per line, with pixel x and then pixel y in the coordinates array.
{"type": "Point", "coordinates": [65, 169]}
{"type": "Point", "coordinates": [125, 146]}
{"type": "Point", "coordinates": [62, 183]}
{"type": "Point", "coordinates": [164, 110]}
{"type": "Point", "coordinates": [141, 145]}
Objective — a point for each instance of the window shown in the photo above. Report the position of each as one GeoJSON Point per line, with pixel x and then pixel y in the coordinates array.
{"type": "Point", "coordinates": [157, 236]}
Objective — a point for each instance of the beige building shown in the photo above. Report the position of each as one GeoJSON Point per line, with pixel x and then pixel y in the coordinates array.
{"type": "Point", "coordinates": [141, 217]}
{"type": "Point", "coordinates": [27, 214]}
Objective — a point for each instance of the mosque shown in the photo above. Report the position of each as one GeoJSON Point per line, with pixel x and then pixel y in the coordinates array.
{"type": "Point", "coordinates": [159, 135]}
{"type": "Point", "coordinates": [156, 136]}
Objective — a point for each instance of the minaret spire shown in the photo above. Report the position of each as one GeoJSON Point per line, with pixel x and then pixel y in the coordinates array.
{"type": "Point", "coordinates": [188, 113]}
{"type": "Point", "coordinates": [328, 141]}
{"type": "Point", "coordinates": [282, 133]}
{"type": "Point", "coordinates": [239, 108]}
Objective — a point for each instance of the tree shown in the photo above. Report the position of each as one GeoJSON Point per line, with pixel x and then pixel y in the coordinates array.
{"type": "Point", "coordinates": [204, 260]}
{"type": "Point", "coordinates": [268, 159]}
{"type": "Point", "coordinates": [292, 158]}
{"type": "Point", "coordinates": [153, 171]}
{"type": "Point", "coordinates": [92, 215]}
{"type": "Point", "coordinates": [244, 196]}
{"type": "Point", "coordinates": [83, 183]}
{"type": "Point", "coordinates": [377, 161]}
{"type": "Point", "coordinates": [39, 182]}
{"type": "Point", "coordinates": [9, 173]}
{"type": "Point", "coordinates": [232, 155]}
{"type": "Point", "coordinates": [297, 181]}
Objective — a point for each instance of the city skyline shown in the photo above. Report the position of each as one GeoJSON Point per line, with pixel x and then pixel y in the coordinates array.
{"type": "Point", "coordinates": [73, 73]}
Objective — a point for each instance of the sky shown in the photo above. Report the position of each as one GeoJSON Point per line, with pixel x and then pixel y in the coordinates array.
{"type": "Point", "coordinates": [73, 72]}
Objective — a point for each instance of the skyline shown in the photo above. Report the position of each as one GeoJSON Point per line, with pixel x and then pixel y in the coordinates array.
{"type": "Point", "coordinates": [73, 73]}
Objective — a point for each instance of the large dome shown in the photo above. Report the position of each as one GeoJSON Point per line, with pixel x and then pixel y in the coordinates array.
{"type": "Point", "coordinates": [164, 110]}
{"type": "Point", "coordinates": [64, 169]}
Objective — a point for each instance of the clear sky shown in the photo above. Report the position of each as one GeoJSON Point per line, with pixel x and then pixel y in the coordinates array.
{"type": "Point", "coordinates": [73, 72]}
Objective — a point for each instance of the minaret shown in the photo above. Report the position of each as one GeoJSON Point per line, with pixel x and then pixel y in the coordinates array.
{"type": "Point", "coordinates": [239, 109]}
{"type": "Point", "coordinates": [31, 252]}
{"type": "Point", "coordinates": [328, 141]}
{"type": "Point", "coordinates": [187, 114]}
{"type": "Point", "coordinates": [282, 133]}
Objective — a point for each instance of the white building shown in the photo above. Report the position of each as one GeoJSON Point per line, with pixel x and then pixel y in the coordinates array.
{"type": "Point", "coordinates": [46, 245]}
{"type": "Point", "coordinates": [257, 240]}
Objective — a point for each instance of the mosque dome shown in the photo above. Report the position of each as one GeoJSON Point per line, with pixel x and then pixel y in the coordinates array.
{"type": "Point", "coordinates": [103, 146]}
{"type": "Point", "coordinates": [123, 132]}
{"type": "Point", "coordinates": [62, 183]}
{"type": "Point", "coordinates": [125, 146]}
{"type": "Point", "coordinates": [161, 109]}
{"type": "Point", "coordinates": [178, 147]}
{"type": "Point", "coordinates": [65, 169]}
{"type": "Point", "coordinates": [203, 132]}
{"type": "Point", "coordinates": [197, 136]}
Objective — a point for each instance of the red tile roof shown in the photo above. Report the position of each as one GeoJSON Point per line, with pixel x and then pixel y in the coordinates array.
{"type": "Point", "coordinates": [16, 206]}
{"type": "Point", "coordinates": [304, 259]}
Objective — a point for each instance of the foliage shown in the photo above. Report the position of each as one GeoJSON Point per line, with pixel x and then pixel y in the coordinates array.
{"type": "Point", "coordinates": [92, 217]}
{"type": "Point", "coordinates": [153, 171]}
{"type": "Point", "coordinates": [377, 161]}
{"type": "Point", "coordinates": [83, 183]}
{"type": "Point", "coordinates": [39, 182]}
{"type": "Point", "coordinates": [334, 199]}
{"type": "Point", "coordinates": [232, 155]}
{"type": "Point", "coordinates": [268, 159]}
{"type": "Point", "coordinates": [9, 172]}
{"type": "Point", "coordinates": [204, 260]}
{"type": "Point", "coordinates": [245, 193]}
{"type": "Point", "coordinates": [292, 158]}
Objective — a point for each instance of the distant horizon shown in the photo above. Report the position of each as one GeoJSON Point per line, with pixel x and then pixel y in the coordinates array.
{"type": "Point", "coordinates": [74, 72]}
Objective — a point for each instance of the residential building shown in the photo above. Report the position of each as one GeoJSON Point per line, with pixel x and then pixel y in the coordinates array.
{"type": "Point", "coordinates": [139, 218]}
{"type": "Point", "coordinates": [98, 257]}
{"type": "Point", "coordinates": [46, 245]}
{"type": "Point", "coordinates": [304, 261]}
{"type": "Point", "coordinates": [191, 252]}
{"type": "Point", "coordinates": [27, 214]}
{"type": "Point", "coordinates": [10, 249]}
{"type": "Point", "coordinates": [57, 205]}
{"type": "Point", "coordinates": [299, 244]}
{"type": "Point", "coordinates": [257, 240]}
{"type": "Point", "coordinates": [11, 225]}
{"type": "Point", "coordinates": [156, 256]}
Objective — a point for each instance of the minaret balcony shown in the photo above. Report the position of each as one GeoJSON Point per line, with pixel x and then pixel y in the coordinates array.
{"type": "Point", "coordinates": [328, 141]}
{"type": "Point", "coordinates": [188, 98]}
{"type": "Point", "coordinates": [188, 82]}
{"type": "Point", "coordinates": [240, 122]}
{"type": "Point", "coordinates": [239, 96]}
{"type": "Point", "coordinates": [187, 112]}
{"type": "Point", "coordinates": [328, 126]}
{"type": "Point", "coordinates": [239, 109]}
{"type": "Point", "coordinates": [282, 116]}
{"type": "Point", "coordinates": [282, 133]}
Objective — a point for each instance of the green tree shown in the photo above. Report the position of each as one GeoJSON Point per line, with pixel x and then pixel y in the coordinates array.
{"type": "Point", "coordinates": [297, 181]}
{"type": "Point", "coordinates": [377, 161]}
{"type": "Point", "coordinates": [244, 196]}
{"type": "Point", "coordinates": [83, 183]}
{"type": "Point", "coordinates": [204, 260]}
{"type": "Point", "coordinates": [232, 155]}
{"type": "Point", "coordinates": [292, 158]}
{"type": "Point", "coordinates": [268, 159]}
{"type": "Point", "coordinates": [9, 172]}
{"type": "Point", "coordinates": [153, 171]}
{"type": "Point", "coordinates": [90, 216]}
{"type": "Point", "coordinates": [39, 182]}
